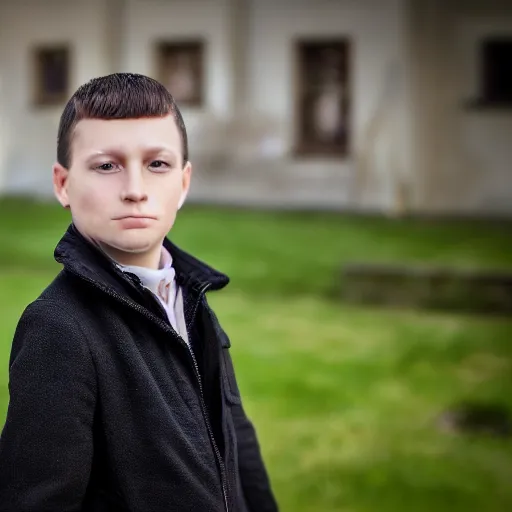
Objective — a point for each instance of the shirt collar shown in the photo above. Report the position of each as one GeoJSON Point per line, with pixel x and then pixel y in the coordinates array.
{"type": "Point", "coordinates": [159, 281]}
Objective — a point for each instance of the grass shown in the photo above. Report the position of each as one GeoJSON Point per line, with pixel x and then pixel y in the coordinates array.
{"type": "Point", "coordinates": [344, 399]}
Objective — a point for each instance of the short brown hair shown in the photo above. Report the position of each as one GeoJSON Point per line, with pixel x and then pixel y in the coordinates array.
{"type": "Point", "coordinates": [117, 96]}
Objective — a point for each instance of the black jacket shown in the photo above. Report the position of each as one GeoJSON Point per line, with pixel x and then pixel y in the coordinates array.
{"type": "Point", "coordinates": [110, 410]}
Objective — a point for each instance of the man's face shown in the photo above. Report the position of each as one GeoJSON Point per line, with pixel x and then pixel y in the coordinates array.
{"type": "Point", "coordinates": [125, 184]}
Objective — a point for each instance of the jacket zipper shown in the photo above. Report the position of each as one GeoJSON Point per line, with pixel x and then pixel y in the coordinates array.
{"type": "Point", "coordinates": [154, 318]}
{"type": "Point", "coordinates": [203, 406]}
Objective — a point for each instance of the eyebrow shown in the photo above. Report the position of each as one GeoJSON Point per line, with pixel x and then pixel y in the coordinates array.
{"type": "Point", "coordinates": [120, 153]}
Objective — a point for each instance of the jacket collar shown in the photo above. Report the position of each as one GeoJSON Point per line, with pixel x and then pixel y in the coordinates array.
{"type": "Point", "coordinates": [79, 255]}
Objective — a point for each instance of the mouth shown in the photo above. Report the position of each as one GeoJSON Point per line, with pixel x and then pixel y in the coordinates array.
{"type": "Point", "coordinates": [130, 222]}
{"type": "Point", "coordinates": [142, 217]}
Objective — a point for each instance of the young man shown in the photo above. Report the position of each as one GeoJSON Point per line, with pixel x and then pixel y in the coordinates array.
{"type": "Point", "coordinates": [122, 390]}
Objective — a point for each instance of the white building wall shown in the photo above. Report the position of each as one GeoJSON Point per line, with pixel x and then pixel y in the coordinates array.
{"type": "Point", "coordinates": [414, 130]}
{"type": "Point", "coordinates": [257, 168]}
{"type": "Point", "coordinates": [28, 134]}
{"type": "Point", "coordinates": [375, 29]}
{"type": "Point", "coordinates": [268, 172]}
{"type": "Point", "coordinates": [149, 21]}
{"type": "Point", "coordinates": [462, 154]}
{"type": "Point", "coordinates": [486, 133]}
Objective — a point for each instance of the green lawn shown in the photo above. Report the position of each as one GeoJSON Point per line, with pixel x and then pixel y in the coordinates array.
{"type": "Point", "coordinates": [344, 399]}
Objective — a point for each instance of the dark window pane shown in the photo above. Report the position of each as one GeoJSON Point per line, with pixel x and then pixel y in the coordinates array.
{"type": "Point", "coordinates": [54, 72]}
{"type": "Point", "coordinates": [52, 75]}
{"type": "Point", "coordinates": [497, 71]}
{"type": "Point", "coordinates": [323, 102]}
{"type": "Point", "coordinates": [180, 69]}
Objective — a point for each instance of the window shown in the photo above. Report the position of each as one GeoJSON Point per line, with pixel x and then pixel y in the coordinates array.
{"type": "Point", "coordinates": [496, 71]}
{"type": "Point", "coordinates": [180, 69]}
{"type": "Point", "coordinates": [51, 69]}
{"type": "Point", "coordinates": [323, 97]}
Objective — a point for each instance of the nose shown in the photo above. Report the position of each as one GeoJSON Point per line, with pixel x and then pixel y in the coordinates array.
{"type": "Point", "coordinates": [134, 190]}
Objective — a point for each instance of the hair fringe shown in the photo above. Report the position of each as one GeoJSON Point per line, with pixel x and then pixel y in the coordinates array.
{"type": "Point", "coordinates": [117, 96]}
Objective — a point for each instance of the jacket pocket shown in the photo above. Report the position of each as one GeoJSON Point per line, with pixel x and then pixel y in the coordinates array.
{"type": "Point", "coordinates": [228, 373]}
{"type": "Point", "coordinates": [231, 391]}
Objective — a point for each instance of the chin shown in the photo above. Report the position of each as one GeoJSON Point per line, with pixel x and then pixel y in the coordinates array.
{"type": "Point", "coordinates": [138, 246]}
{"type": "Point", "coordinates": [135, 241]}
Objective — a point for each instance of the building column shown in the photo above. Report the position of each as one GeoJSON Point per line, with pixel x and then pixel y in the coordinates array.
{"type": "Point", "coordinates": [239, 24]}
{"type": "Point", "coordinates": [115, 30]}
{"type": "Point", "coordinates": [434, 102]}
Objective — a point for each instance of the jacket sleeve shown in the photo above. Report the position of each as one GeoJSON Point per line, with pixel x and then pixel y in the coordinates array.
{"type": "Point", "coordinates": [253, 475]}
{"type": "Point", "coordinates": [46, 444]}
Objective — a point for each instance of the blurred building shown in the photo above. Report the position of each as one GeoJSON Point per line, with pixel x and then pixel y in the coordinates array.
{"type": "Point", "coordinates": [382, 105]}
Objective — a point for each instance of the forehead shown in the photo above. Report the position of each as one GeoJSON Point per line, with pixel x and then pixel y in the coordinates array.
{"type": "Point", "coordinates": [129, 134]}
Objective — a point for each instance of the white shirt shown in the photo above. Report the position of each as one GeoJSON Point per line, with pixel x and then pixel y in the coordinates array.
{"type": "Point", "coordinates": [162, 284]}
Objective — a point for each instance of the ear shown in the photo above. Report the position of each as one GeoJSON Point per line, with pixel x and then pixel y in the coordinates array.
{"type": "Point", "coordinates": [185, 183]}
{"type": "Point", "coordinates": [60, 182]}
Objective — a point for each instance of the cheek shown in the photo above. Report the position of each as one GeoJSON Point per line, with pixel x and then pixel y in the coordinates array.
{"type": "Point", "coordinates": [166, 196]}
{"type": "Point", "coordinates": [87, 197]}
